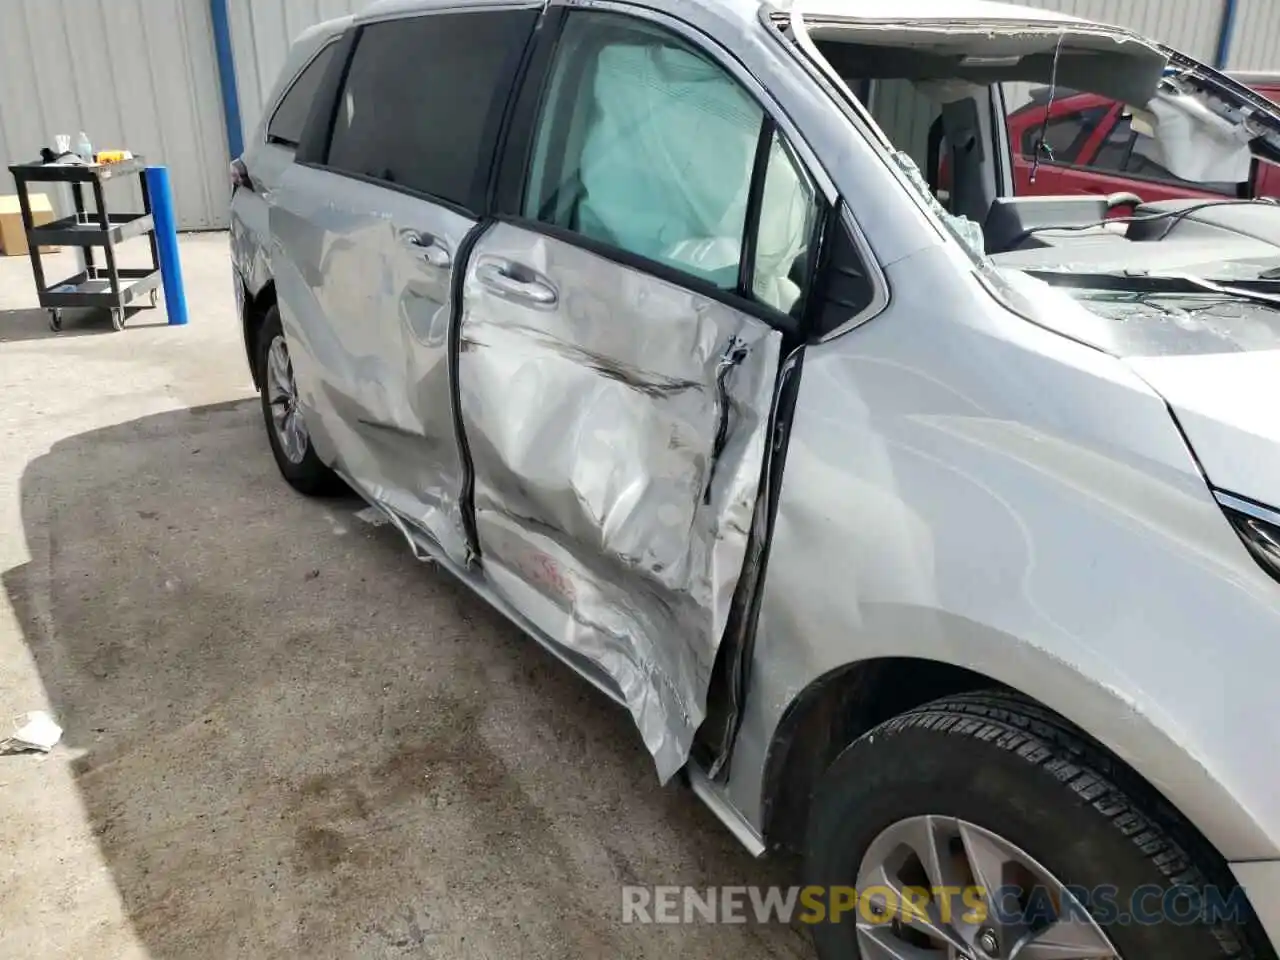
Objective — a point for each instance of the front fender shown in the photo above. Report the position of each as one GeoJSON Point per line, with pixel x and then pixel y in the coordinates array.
{"type": "Point", "coordinates": [965, 487]}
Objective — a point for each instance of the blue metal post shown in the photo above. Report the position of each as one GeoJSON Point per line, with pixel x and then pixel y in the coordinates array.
{"type": "Point", "coordinates": [175, 297]}
{"type": "Point", "coordinates": [227, 75]}
{"type": "Point", "coordinates": [1225, 34]}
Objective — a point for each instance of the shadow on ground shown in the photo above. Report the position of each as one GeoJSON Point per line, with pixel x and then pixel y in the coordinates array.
{"type": "Point", "coordinates": [300, 742]}
{"type": "Point", "coordinates": [33, 323]}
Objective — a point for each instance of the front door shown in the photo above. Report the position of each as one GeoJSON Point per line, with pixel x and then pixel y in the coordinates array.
{"type": "Point", "coordinates": [375, 231]}
{"type": "Point", "coordinates": [620, 341]}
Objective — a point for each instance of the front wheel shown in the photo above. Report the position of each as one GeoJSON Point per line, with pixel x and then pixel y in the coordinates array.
{"type": "Point", "coordinates": [286, 430]}
{"type": "Point", "coordinates": [981, 827]}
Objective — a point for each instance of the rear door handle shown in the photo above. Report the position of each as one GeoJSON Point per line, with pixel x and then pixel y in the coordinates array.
{"type": "Point", "coordinates": [514, 281]}
{"type": "Point", "coordinates": [431, 248]}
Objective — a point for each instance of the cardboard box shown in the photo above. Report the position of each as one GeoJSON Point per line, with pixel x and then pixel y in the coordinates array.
{"type": "Point", "coordinates": [13, 238]}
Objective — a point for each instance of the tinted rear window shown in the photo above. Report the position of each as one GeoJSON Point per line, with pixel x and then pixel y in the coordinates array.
{"type": "Point", "coordinates": [422, 98]}
{"type": "Point", "coordinates": [291, 116]}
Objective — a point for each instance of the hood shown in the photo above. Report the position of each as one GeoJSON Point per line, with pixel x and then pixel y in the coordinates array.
{"type": "Point", "coordinates": [1214, 361]}
{"type": "Point", "coordinates": [1228, 405]}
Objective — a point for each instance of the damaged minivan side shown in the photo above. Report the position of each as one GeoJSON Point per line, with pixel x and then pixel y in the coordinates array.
{"type": "Point", "coordinates": [922, 527]}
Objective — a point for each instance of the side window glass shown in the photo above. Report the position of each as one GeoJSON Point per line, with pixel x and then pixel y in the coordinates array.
{"type": "Point", "coordinates": [1113, 155]}
{"type": "Point", "coordinates": [420, 97]}
{"type": "Point", "coordinates": [1064, 137]}
{"type": "Point", "coordinates": [648, 146]}
{"type": "Point", "coordinates": [785, 231]}
{"type": "Point", "coordinates": [286, 124]}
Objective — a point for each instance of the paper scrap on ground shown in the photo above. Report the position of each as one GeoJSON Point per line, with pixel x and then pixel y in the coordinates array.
{"type": "Point", "coordinates": [35, 731]}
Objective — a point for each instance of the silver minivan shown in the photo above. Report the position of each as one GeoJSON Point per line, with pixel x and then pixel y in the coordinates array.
{"type": "Point", "coordinates": [927, 529]}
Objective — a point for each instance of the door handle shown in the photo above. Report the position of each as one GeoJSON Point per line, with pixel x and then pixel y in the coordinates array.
{"type": "Point", "coordinates": [515, 281]}
{"type": "Point", "coordinates": [431, 249]}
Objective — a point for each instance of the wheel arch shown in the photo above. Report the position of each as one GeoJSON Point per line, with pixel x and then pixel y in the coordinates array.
{"type": "Point", "coordinates": [833, 711]}
{"type": "Point", "coordinates": [256, 307]}
{"type": "Point", "coordinates": [844, 703]}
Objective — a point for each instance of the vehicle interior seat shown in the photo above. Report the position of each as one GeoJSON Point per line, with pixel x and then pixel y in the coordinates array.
{"type": "Point", "coordinates": [972, 191]}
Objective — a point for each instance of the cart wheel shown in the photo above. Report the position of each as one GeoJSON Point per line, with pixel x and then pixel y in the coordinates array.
{"type": "Point", "coordinates": [117, 319]}
{"type": "Point", "coordinates": [55, 320]}
{"type": "Point", "coordinates": [155, 298]}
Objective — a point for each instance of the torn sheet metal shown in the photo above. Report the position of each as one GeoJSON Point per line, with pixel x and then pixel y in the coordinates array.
{"type": "Point", "coordinates": [617, 437]}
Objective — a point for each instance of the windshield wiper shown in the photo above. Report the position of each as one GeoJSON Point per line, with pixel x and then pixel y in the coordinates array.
{"type": "Point", "coordinates": [1264, 290]}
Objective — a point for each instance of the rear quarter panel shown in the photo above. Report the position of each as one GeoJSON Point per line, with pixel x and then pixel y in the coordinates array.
{"type": "Point", "coordinates": [267, 164]}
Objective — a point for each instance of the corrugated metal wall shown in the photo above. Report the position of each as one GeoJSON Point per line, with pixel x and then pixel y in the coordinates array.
{"type": "Point", "coordinates": [261, 31]}
{"type": "Point", "coordinates": [1255, 40]}
{"type": "Point", "coordinates": [136, 74]}
{"type": "Point", "coordinates": [143, 74]}
{"type": "Point", "coordinates": [1189, 25]}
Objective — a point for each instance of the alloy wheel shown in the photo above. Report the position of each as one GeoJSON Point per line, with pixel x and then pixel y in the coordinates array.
{"type": "Point", "coordinates": [282, 396]}
{"type": "Point", "coordinates": [1002, 904]}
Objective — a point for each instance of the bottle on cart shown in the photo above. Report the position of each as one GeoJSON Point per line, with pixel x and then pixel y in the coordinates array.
{"type": "Point", "coordinates": [83, 148]}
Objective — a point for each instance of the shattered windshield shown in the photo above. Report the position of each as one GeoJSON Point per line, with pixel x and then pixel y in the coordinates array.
{"type": "Point", "coordinates": [1147, 324]}
{"type": "Point", "coordinates": [1091, 113]}
{"type": "Point", "coordinates": [1125, 178]}
{"type": "Point", "coordinates": [962, 228]}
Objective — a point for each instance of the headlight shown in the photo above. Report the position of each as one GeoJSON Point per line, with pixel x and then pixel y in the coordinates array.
{"type": "Point", "coordinates": [1258, 527]}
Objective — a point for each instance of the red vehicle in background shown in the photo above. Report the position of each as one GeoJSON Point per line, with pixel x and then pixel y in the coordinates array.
{"type": "Point", "coordinates": [1089, 148]}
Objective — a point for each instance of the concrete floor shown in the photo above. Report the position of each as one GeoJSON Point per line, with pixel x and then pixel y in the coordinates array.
{"type": "Point", "coordinates": [284, 736]}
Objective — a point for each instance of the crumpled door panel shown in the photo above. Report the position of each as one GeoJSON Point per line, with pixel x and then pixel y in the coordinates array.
{"type": "Point", "coordinates": [367, 316]}
{"type": "Point", "coordinates": [617, 436]}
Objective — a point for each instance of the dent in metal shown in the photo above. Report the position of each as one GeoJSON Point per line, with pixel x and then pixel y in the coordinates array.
{"type": "Point", "coordinates": [366, 310]}
{"type": "Point", "coordinates": [617, 441]}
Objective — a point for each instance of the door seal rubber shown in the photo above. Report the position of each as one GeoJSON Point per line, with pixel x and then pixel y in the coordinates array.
{"type": "Point", "coordinates": [457, 284]}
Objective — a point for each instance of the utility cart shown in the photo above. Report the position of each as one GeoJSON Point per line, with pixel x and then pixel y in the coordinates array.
{"type": "Point", "coordinates": [98, 285]}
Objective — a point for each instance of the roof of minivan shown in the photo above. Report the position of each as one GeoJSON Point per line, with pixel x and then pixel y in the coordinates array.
{"type": "Point", "coordinates": [870, 10]}
{"type": "Point", "coordinates": [928, 10]}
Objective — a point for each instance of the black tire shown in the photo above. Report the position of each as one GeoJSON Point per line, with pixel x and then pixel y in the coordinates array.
{"type": "Point", "coordinates": [309, 476]}
{"type": "Point", "coordinates": [1008, 765]}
